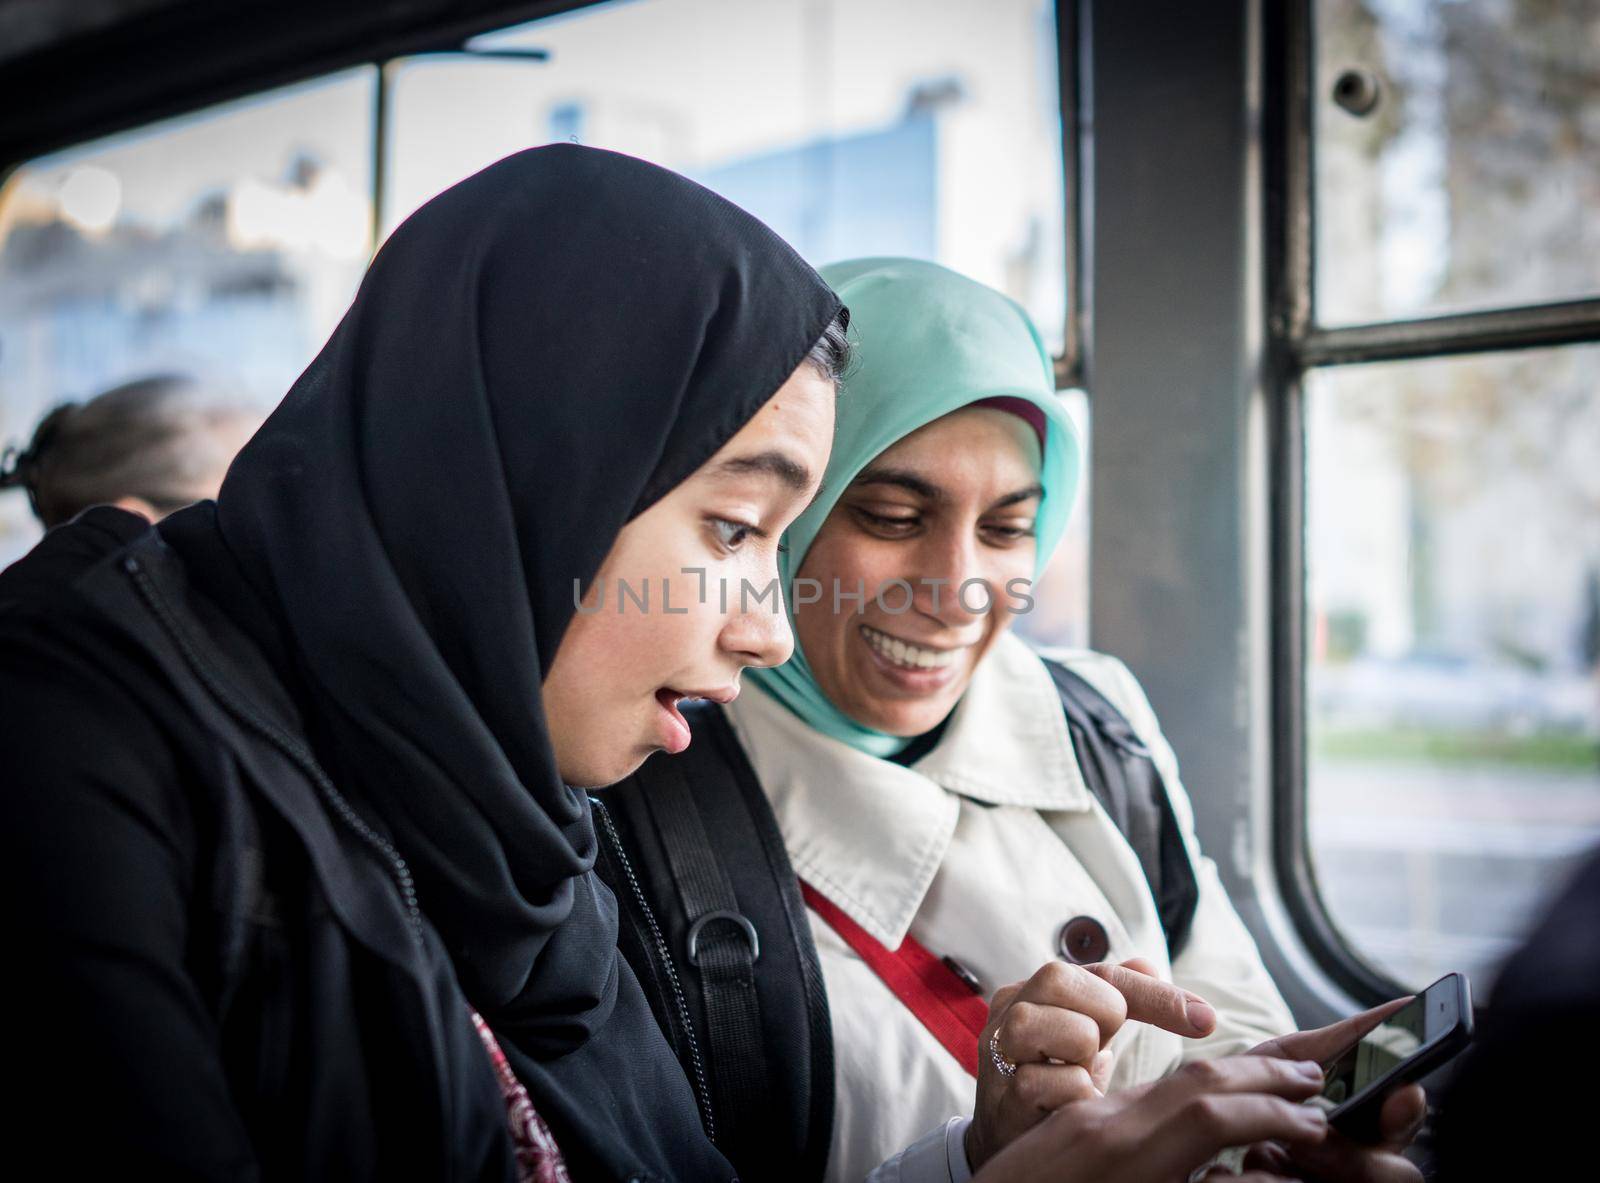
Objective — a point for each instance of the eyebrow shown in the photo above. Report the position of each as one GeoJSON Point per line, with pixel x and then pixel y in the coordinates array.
{"type": "Point", "coordinates": [922, 487]}
{"type": "Point", "coordinates": [1020, 495]}
{"type": "Point", "coordinates": [794, 475]}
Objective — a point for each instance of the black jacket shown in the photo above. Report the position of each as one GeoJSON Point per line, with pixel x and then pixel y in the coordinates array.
{"type": "Point", "coordinates": [216, 970]}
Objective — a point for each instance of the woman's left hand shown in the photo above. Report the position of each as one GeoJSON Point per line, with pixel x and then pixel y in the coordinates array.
{"type": "Point", "coordinates": [1055, 1027]}
{"type": "Point", "coordinates": [1337, 1159]}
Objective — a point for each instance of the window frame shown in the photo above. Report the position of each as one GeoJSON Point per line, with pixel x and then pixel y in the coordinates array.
{"type": "Point", "coordinates": [1295, 346]}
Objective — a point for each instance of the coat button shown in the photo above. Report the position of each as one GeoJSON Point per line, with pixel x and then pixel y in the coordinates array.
{"type": "Point", "coordinates": [967, 977]}
{"type": "Point", "coordinates": [1083, 940]}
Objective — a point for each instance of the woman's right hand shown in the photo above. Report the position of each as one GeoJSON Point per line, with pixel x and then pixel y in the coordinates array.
{"type": "Point", "coordinates": [1162, 1132]}
{"type": "Point", "coordinates": [1055, 1028]}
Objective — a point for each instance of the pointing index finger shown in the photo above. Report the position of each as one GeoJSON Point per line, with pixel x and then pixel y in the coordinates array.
{"type": "Point", "coordinates": [1159, 1003]}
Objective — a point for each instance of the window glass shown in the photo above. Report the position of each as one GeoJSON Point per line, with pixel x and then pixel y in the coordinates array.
{"type": "Point", "coordinates": [224, 244]}
{"type": "Point", "coordinates": [1457, 155]}
{"type": "Point", "coordinates": [1453, 601]}
{"type": "Point", "coordinates": [874, 127]}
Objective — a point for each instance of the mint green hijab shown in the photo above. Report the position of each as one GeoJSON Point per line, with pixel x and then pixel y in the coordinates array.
{"type": "Point", "coordinates": [927, 342]}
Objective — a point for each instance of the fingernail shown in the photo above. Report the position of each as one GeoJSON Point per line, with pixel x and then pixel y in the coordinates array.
{"type": "Point", "coordinates": [1309, 1069]}
{"type": "Point", "coordinates": [1199, 1013]}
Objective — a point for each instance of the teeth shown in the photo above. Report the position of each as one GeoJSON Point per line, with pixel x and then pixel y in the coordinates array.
{"type": "Point", "coordinates": [910, 656]}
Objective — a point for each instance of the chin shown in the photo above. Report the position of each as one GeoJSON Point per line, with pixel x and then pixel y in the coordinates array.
{"type": "Point", "coordinates": [600, 776]}
{"type": "Point", "coordinates": [906, 723]}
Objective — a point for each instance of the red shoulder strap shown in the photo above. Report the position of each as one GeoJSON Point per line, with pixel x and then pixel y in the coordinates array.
{"type": "Point", "coordinates": [932, 991]}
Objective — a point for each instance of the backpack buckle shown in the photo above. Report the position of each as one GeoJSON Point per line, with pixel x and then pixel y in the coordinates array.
{"type": "Point", "coordinates": [737, 918]}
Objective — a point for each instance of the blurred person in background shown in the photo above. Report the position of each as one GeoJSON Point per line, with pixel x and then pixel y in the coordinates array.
{"type": "Point", "coordinates": [150, 446]}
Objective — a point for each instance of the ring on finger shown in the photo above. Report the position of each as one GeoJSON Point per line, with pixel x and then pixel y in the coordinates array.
{"type": "Point", "coordinates": [1001, 1065]}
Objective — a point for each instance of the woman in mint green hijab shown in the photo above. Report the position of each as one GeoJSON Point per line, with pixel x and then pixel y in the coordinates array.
{"type": "Point", "coordinates": [934, 342]}
{"type": "Point", "coordinates": [921, 771]}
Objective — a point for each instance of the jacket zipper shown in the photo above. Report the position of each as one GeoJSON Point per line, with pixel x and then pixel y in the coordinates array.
{"type": "Point", "coordinates": [697, 1079]}
{"type": "Point", "coordinates": [285, 743]}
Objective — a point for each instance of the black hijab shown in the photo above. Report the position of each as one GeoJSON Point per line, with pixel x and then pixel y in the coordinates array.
{"type": "Point", "coordinates": [535, 356]}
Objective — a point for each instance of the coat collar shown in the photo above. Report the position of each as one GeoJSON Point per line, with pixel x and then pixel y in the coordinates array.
{"type": "Point", "coordinates": [870, 834]}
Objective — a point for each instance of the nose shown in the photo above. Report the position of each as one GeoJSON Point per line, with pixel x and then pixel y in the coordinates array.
{"type": "Point", "coordinates": [945, 561]}
{"type": "Point", "coordinates": [757, 631]}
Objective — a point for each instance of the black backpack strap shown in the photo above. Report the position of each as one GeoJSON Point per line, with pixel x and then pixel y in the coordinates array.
{"type": "Point", "coordinates": [1119, 770]}
{"type": "Point", "coordinates": [722, 945]}
{"type": "Point", "coordinates": [716, 930]}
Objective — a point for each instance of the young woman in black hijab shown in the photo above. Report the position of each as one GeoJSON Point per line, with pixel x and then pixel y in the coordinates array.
{"type": "Point", "coordinates": [288, 777]}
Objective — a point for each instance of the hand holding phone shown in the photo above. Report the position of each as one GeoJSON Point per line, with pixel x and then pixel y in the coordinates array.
{"type": "Point", "coordinates": [1418, 1038]}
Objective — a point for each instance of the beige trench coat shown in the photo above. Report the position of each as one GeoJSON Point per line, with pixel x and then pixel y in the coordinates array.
{"type": "Point", "coordinates": [982, 850]}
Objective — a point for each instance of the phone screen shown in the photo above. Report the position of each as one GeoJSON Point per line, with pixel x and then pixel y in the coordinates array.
{"type": "Point", "coordinates": [1386, 1045]}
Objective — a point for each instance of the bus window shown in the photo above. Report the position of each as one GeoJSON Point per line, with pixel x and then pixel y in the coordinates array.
{"type": "Point", "coordinates": [1472, 180]}
{"type": "Point", "coordinates": [851, 129]}
{"type": "Point", "coordinates": [225, 243]}
{"type": "Point", "coordinates": [1451, 610]}
{"type": "Point", "coordinates": [1453, 553]}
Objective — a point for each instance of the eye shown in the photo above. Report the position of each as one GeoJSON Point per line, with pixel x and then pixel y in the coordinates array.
{"type": "Point", "coordinates": [730, 534]}
{"type": "Point", "coordinates": [887, 525]}
{"type": "Point", "coordinates": [1005, 534]}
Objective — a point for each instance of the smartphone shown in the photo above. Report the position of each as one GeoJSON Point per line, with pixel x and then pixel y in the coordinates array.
{"type": "Point", "coordinates": [1406, 1046]}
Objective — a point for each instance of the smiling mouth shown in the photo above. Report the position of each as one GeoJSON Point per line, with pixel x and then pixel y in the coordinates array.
{"type": "Point", "coordinates": [909, 656]}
